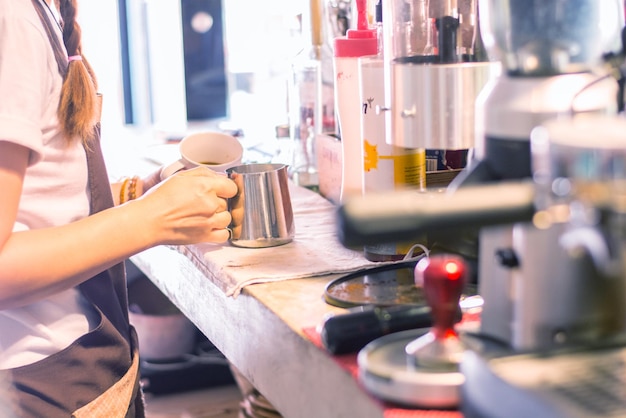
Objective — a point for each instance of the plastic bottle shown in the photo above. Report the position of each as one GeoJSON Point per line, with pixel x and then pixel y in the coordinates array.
{"type": "Point", "coordinates": [311, 98]}
{"type": "Point", "coordinates": [385, 167]}
{"type": "Point", "coordinates": [357, 43]}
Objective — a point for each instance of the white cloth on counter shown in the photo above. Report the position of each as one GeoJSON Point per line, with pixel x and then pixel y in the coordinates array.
{"type": "Point", "coordinates": [315, 250]}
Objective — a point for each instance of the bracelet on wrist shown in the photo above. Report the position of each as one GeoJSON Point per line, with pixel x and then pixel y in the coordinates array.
{"type": "Point", "coordinates": [128, 190]}
{"type": "Point", "coordinates": [132, 188]}
{"type": "Point", "coordinates": [123, 189]}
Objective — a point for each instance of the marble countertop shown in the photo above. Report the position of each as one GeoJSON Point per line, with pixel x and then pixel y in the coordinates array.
{"type": "Point", "coordinates": [261, 333]}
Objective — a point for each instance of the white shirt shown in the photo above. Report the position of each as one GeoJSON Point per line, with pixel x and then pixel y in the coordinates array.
{"type": "Point", "coordinates": [55, 186]}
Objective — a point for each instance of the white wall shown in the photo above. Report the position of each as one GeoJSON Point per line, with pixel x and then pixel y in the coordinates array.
{"type": "Point", "coordinates": [256, 42]}
{"type": "Point", "coordinates": [99, 23]}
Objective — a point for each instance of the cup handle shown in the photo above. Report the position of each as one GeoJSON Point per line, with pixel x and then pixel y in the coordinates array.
{"type": "Point", "coordinates": [170, 169]}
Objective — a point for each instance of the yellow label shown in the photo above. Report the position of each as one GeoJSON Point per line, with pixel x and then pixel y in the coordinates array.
{"type": "Point", "coordinates": [409, 165]}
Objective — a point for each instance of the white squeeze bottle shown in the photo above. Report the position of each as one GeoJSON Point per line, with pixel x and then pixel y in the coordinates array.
{"type": "Point", "coordinates": [357, 43]}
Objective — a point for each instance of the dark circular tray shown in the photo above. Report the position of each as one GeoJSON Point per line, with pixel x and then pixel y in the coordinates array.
{"type": "Point", "coordinates": [386, 285]}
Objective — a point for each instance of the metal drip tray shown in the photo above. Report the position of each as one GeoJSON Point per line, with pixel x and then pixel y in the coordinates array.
{"type": "Point", "coordinates": [385, 372]}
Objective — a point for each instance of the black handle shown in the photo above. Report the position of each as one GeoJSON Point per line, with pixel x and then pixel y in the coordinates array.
{"type": "Point", "coordinates": [348, 333]}
{"type": "Point", "coordinates": [407, 214]}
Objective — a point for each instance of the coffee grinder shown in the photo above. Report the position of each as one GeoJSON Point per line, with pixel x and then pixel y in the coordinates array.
{"type": "Point", "coordinates": [435, 66]}
{"type": "Point", "coordinates": [552, 56]}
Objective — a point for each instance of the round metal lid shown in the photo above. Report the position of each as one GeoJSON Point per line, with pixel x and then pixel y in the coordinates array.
{"type": "Point", "coordinates": [384, 371]}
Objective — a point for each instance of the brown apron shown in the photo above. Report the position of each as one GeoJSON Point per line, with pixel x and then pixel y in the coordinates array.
{"type": "Point", "coordinates": [98, 374]}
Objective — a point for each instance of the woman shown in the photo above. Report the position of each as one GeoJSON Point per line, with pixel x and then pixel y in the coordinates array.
{"type": "Point", "coordinates": [66, 343]}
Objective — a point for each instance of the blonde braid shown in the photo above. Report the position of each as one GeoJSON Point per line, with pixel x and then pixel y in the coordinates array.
{"type": "Point", "coordinates": [79, 106]}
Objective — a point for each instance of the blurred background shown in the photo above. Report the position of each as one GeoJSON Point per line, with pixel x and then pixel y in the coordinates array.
{"type": "Point", "coordinates": [170, 65]}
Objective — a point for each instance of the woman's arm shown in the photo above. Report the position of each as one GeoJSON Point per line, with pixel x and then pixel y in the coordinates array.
{"type": "Point", "coordinates": [187, 208]}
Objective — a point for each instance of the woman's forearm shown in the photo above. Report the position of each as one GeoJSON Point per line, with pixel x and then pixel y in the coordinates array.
{"type": "Point", "coordinates": [35, 264]}
{"type": "Point", "coordinates": [187, 208]}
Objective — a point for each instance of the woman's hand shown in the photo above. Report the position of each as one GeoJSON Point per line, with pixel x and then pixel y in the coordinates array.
{"type": "Point", "coordinates": [189, 207]}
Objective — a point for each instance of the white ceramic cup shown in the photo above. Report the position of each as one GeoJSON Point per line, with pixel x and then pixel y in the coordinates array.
{"type": "Point", "coordinates": [215, 150]}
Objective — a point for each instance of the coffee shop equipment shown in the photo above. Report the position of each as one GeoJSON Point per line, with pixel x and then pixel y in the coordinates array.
{"type": "Point", "coordinates": [350, 332]}
{"type": "Point", "coordinates": [552, 67]}
{"type": "Point", "coordinates": [435, 68]}
{"type": "Point", "coordinates": [551, 52]}
{"type": "Point", "coordinates": [262, 213]}
{"type": "Point", "coordinates": [496, 189]}
{"type": "Point", "coordinates": [578, 195]}
{"type": "Point", "coordinates": [380, 300]}
{"type": "Point", "coordinates": [576, 369]}
{"type": "Point", "coordinates": [420, 366]}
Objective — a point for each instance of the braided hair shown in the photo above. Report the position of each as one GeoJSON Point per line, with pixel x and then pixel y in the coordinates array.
{"type": "Point", "coordinates": [79, 105]}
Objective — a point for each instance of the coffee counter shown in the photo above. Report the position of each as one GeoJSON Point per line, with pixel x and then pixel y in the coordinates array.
{"type": "Point", "coordinates": [261, 332]}
{"type": "Point", "coordinates": [262, 329]}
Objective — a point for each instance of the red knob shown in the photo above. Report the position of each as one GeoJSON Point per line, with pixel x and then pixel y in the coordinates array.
{"type": "Point", "coordinates": [442, 278]}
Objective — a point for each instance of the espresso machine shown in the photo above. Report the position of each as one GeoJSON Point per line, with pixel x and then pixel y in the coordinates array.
{"type": "Point", "coordinates": [550, 258]}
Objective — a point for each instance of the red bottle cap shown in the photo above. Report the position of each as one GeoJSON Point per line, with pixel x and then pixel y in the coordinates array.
{"type": "Point", "coordinates": [358, 42]}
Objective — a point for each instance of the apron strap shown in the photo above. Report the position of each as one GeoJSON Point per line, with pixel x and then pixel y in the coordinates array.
{"type": "Point", "coordinates": [100, 196]}
{"type": "Point", "coordinates": [112, 280]}
{"type": "Point", "coordinates": [59, 50]}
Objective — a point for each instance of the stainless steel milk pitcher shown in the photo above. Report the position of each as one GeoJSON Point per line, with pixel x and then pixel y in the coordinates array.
{"type": "Point", "coordinates": [262, 211]}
